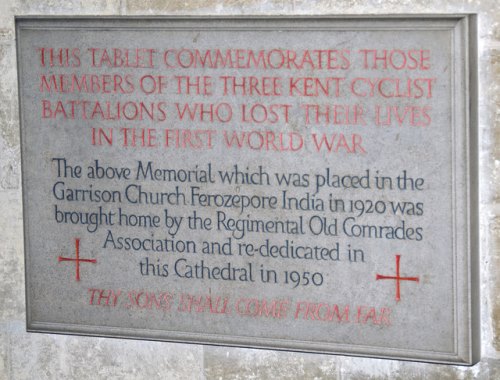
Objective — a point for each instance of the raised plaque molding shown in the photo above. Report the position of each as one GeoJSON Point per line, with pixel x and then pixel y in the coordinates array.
{"type": "Point", "coordinates": [463, 180]}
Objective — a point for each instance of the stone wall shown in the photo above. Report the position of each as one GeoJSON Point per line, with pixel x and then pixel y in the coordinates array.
{"type": "Point", "coordinates": [42, 356]}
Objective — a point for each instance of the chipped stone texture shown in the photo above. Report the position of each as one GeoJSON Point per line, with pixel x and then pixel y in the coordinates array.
{"type": "Point", "coordinates": [492, 370]}
{"type": "Point", "coordinates": [313, 7]}
{"type": "Point", "coordinates": [41, 356]}
{"type": "Point", "coordinates": [9, 8]}
{"type": "Point", "coordinates": [238, 364]}
{"type": "Point", "coordinates": [357, 369]}
{"type": "Point", "coordinates": [495, 222]}
{"type": "Point", "coordinates": [495, 96]}
{"type": "Point", "coordinates": [4, 351]}
{"type": "Point", "coordinates": [9, 123]}
{"type": "Point", "coordinates": [9, 169]}
{"type": "Point", "coordinates": [8, 94]}
{"type": "Point", "coordinates": [11, 257]}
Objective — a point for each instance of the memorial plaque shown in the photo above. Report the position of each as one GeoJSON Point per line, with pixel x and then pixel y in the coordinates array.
{"type": "Point", "coordinates": [302, 184]}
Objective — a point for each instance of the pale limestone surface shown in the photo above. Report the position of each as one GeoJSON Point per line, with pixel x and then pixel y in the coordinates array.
{"type": "Point", "coordinates": [40, 356]}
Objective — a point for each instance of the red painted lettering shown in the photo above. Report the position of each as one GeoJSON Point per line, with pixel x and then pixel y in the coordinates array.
{"type": "Point", "coordinates": [251, 86]}
{"type": "Point", "coordinates": [337, 142]}
{"type": "Point", "coordinates": [253, 307]}
{"type": "Point", "coordinates": [263, 113]}
{"type": "Point", "coordinates": [396, 59]}
{"type": "Point", "coordinates": [189, 139]}
{"type": "Point", "coordinates": [124, 58]}
{"type": "Point", "coordinates": [264, 140]}
{"type": "Point", "coordinates": [310, 86]}
{"type": "Point", "coordinates": [104, 297]}
{"type": "Point", "coordinates": [321, 312]}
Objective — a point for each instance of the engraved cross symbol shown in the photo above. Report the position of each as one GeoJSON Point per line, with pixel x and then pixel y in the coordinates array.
{"type": "Point", "coordinates": [397, 278]}
{"type": "Point", "coordinates": [77, 259]}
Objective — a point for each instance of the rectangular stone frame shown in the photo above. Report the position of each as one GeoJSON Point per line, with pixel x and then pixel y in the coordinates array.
{"type": "Point", "coordinates": [464, 163]}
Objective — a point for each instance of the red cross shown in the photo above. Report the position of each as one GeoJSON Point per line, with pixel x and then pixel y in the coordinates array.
{"type": "Point", "coordinates": [77, 259]}
{"type": "Point", "coordinates": [398, 278]}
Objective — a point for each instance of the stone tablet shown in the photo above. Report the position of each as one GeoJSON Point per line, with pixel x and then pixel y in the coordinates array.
{"type": "Point", "coordinates": [289, 183]}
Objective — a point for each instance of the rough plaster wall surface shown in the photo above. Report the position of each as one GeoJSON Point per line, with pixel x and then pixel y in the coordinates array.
{"type": "Point", "coordinates": [42, 356]}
